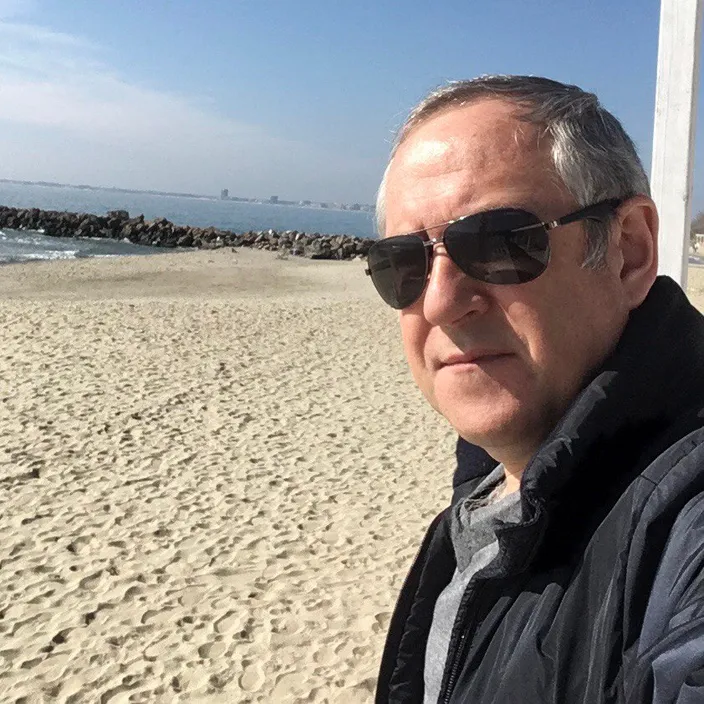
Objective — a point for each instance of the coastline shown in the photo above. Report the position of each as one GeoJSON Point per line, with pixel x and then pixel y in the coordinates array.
{"type": "Point", "coordinates": [118, 226]}
{"type": "Point", "coordinates": [230, 214]}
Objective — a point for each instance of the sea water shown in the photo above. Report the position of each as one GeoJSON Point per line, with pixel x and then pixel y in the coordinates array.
{"type": "Point", "coordinates": [29, 245]}
{"type": "Point", "coordinates": [199, 212]}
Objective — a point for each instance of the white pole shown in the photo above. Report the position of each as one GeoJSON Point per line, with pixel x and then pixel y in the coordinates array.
{"type": "Point", "coordinates": [673, 138]}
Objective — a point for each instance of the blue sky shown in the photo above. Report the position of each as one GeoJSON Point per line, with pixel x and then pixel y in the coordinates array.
{"type": "Point", "coordinates": [299, 99]}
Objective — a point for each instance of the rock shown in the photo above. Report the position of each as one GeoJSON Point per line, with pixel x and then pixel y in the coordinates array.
{"type": "Point", "coordinates": [317, 249]}
{"type": "Point", "coordinates": [117, 224]}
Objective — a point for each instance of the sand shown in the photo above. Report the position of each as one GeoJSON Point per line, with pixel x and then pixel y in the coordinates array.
{"type": "Point", "coordinates": [214, 473]}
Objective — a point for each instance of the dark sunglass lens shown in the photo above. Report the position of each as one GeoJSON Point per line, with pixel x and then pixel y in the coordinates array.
{"type": "Point", "coordinates": [487, 247]}
{"type": "Point", "coordinates": [398, 267]}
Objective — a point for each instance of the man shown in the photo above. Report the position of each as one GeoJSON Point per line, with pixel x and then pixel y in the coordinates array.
{"type": "Point", "coordinates": [520, 249]}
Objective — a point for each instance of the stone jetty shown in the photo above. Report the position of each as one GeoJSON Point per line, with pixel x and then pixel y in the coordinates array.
{"type": "Point", "coordinates": [118, 225]}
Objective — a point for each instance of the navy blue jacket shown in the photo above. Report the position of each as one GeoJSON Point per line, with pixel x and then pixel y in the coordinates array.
{"type": "Point", "coordinates": [598, 594]}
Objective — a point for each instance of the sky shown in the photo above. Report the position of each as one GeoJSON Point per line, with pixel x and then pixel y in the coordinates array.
{"type": "Point", "coordinates": [299, 99]}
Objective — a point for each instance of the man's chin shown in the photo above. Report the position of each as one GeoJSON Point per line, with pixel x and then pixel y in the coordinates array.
{"type": "Point", "coordinates": [488, 425]}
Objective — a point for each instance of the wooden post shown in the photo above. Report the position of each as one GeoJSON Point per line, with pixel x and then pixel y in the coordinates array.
{"type": "Point", "coordinates": [673, 138]}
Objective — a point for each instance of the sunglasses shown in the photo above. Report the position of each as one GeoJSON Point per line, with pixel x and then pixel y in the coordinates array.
{"type": "Point", "coordinates": [504, 246]}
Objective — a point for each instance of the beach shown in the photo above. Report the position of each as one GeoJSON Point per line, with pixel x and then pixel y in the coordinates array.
{"type": "Point", "coordinates": [215, 470]}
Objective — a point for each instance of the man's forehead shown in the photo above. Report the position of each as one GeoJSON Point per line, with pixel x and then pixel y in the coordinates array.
{"type": "Point", "coordinates": [422, 153]}
{"type": "Point", "coordinates": [485, 125]}
{"type": "Point", "coordinates": [467, 158]}
{"type": "Point", "coordinates": [477, 139]}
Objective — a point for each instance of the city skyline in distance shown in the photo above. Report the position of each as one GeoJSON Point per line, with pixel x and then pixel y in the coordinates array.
{"type": "Point", "coordinates": [224, 195]}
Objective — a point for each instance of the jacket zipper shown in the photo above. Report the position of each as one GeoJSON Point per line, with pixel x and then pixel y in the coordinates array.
{"type": "Point", "coordinates": [458, 656]}
{"type": "Point", "coordinates": [455, 670]}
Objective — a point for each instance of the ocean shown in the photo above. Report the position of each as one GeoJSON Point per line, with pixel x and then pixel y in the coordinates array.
{"type": "Point", "coordinates": [19, 246]}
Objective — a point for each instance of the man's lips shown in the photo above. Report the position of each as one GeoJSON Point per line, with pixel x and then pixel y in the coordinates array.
{"type": "Point", "coordinates": [474, 357]}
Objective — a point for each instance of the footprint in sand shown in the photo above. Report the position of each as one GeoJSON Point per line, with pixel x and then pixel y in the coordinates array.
{"type": "Point", "coordinates": [91, 582]}
{"type": "Point", "coordinates": [229, 622]}
{"type": "Point", "coordinates": [324, 656]}
{"type": "Point", "coordinates": [252, 677]}
{"type": "Point", "coordinates": [212, 650]}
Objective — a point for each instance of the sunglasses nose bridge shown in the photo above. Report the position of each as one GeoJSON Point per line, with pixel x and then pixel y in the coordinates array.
{"type": "Point", "coordinates": [439, 239]}
{"type": "Point", "coordinates": [438, 269]}
{"type": "Point", "coordinates": [450, 293]}
{"type": "Point", "coordinates": [430, 245]}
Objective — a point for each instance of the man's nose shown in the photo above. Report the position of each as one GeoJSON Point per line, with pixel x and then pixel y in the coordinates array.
{"type": "Point", "coordinates": [451, 295]}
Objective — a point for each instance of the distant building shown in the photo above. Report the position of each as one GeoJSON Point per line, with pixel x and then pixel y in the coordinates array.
{"type": "Point", "coordinates": [224, 194]}
{"type": "Point", "coordinates": [274, 199]}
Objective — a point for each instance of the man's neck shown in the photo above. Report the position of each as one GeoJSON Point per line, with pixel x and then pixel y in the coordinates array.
{"type": "Point", "coordinates": [512, 480]}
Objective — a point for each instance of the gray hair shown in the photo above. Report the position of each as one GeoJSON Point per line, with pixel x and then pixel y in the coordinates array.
{"type": "Point", "coordinates": [590, 150]}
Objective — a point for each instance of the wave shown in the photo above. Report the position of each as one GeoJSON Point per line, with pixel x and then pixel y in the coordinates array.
{"type": "Point", "coordinates": [33, 245]}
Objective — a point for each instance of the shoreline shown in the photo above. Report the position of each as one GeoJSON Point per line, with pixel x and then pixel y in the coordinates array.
{"type": "Point", "coordinates": [118, 226]}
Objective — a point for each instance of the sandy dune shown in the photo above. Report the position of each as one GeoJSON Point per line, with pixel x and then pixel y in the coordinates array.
{"type": "Point", "coordinates": [214, 471]}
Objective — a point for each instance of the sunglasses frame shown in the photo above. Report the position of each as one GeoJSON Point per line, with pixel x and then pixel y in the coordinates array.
{"type": "Point", "coordinates": [595, 212]}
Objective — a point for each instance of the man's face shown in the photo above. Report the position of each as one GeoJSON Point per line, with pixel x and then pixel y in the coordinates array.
{"type": "Point", "coordinates": [500, 362]}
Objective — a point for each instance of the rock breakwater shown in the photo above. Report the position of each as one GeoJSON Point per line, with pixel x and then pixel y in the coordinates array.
{"type": "Point", "coordinates": [118, 225]}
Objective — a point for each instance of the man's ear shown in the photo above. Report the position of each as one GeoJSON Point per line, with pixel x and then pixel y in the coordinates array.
{"type": "Point", "coordinates": [636, 238]}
